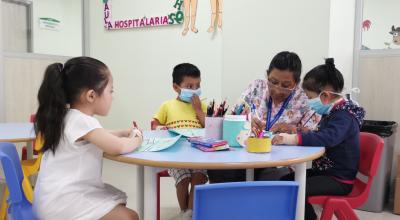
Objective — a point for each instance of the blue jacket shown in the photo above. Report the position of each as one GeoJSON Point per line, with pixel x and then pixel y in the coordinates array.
{"type": "Point", "coordinates": [339, 133]}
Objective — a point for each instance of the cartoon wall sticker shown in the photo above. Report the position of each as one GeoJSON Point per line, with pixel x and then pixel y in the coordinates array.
{"type": "Point", "coordinates": [366, 25]}
{"type": "Point", "coordinates": [396, 35]}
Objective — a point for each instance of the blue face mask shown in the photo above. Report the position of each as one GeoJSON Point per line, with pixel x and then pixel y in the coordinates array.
{"type": "Point", "coordinates": [187, 94]}
{"type": "Point", "coordinates": [319, 107]}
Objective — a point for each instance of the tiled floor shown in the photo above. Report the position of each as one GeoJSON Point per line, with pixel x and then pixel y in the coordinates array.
{"type": "Point", "coordinates": [123, 177]}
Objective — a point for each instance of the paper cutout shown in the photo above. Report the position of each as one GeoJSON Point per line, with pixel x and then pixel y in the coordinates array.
{"type": "Point", "coordinates": [189, 132]}
{"type": "Point", "coordinates": [157, 144]}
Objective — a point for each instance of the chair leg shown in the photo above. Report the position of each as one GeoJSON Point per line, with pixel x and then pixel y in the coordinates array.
{"type": "Point", "coordinates": [158, 196]}
{"type": "Point", "coordinates": [24, 153]}
{"type": "Point", "coordinates": [341, 208]}
{"type": "Point", "coordinates": [4, 204]}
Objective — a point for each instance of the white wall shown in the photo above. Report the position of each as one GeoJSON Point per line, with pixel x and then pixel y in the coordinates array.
{"type": "Point", "coordinates": [142, 60]}
{"type": "Point", "coordinates": [255, 31]}
{"type": "Point", "coordinates": [383, 14]}
{"type": "Point", "coordinates": [68, 40]}
{"type": "Point", "coordinates": [341, 37]}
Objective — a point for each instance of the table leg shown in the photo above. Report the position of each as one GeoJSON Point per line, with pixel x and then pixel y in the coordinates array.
{"type": "Point", "coordinates": [249, 174]}
{"type": "Point", "coordinates": [300, 177]}
{"type": "Point", "coordinates": [150, 193]}
{"type": "Point", "coordinates": [29, 150]}
{"type": "Point", "coordinates": [140, 191]}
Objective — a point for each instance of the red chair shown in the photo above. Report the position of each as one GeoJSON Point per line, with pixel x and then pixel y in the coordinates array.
{"type": "Point", "coordinates": [163, 173]}
{"type": "Point", "coordinates": [371, 147]}
{"type": "Point", "coordinates": [24, 153]}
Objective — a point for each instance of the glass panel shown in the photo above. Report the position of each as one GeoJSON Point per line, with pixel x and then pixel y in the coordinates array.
{"type": "Point", "coordinates": [56, 26]}
{"type": "Point", "coordinates": [381, 24]}
{"type": "Point", "coordinates": [15, 26]}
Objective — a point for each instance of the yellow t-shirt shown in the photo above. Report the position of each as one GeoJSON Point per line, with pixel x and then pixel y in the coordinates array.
{"type": "Point", "coordinates": [178, 114]}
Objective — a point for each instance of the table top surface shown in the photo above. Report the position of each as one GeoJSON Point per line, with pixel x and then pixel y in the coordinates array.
{"type": "Point", "coordinates": [16, 132]}
{"type": "Point", "coordinates": [182, 155]}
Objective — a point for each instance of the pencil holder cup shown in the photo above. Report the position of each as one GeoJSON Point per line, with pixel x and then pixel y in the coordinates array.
{"type": "Point", "coordinates": [233, 128]}
{"type": "Point", "coordinates": [213, 127]}
{"type": "Point", "coordinates": [258, 145]}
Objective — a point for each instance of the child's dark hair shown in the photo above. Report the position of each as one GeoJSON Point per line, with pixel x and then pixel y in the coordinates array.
{"type": "Point", "coordinates": [182, 70]}
{"type": "Point", "coordinates": [324, 75]}
{"type": "Point", "coordinates": [62, 85]}
{"type": "Point", "coordinates": [286, 60]}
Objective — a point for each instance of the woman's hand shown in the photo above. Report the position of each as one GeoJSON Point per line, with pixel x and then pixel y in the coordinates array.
{"type": "Point", "coordinates": [257, 126]}
{"type": "Point", "coordinates": [284, 128]}
{"type": "Point", "coordinates": [285, 139]}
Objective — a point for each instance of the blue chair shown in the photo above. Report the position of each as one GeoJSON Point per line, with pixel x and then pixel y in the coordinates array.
{"type": "Point", "coordinates": [19, 207]}
{"type": "Point", "coordinates": [274, 200]}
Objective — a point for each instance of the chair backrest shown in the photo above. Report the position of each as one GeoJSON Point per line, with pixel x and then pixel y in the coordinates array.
{"type": "Point", "coordinates": [12, 171]}
{"type": "Point", "coordinates": [371, 146]}
{"type": "Point", "coordinates": [246, 200]}
{"type": "Point", "coordinates": [19, 207]}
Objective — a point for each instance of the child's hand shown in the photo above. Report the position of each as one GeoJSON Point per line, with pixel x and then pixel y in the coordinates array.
{"type": "Point", "coordinates": [257, 126]}
{"type": "Point", "coordinates": [285, 139]}
{"type": "Point", "coordinates": [136, 133]}
{"type": "Point", "coordinates": [196, 103]}
{"type": "Point", "coordinates": [284, 128]}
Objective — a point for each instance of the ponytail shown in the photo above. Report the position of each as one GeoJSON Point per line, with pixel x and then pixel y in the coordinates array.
{"type": "Point", "coordinates": [62, 86]}
{"type": "Point", "coordinates": [52, 107]}
{"type": "Point", "coordinates": [323, 75]}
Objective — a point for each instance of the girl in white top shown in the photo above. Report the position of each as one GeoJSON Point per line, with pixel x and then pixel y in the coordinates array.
{"type": "Point", "coordinates": [70, 185]}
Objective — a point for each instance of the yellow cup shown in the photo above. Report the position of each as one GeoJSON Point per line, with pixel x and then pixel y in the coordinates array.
{"type": "Point", "coordinates": [258, 145]}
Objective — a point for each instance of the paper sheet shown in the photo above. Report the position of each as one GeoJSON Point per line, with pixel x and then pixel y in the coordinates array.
{"type": "Point", "coordinates": [157, 144]}
{"type": "Point", "coordinates": [194, 132]}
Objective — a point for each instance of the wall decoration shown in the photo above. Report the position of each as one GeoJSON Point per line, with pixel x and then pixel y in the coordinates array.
{"type": "Point", "coordinates": [173, 15]}
{"type": "Point", "coordinates": [190, 7]}
{"type": "Point", "coordinates": [216, 14]}
{"type": "Point", "coordinates": [366, 25]}
{"type": "Point", "coordinates": [396, 35]}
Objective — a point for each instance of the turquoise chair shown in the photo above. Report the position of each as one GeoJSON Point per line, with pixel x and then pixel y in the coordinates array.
{"type": "Point", "coordinates": [272, 200]}
{"type": "Point", "coordinates": [19, 207]}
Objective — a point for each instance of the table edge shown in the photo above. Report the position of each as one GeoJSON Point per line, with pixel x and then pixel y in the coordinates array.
{"type": "Point", "coordinates": [18, 140]}
{"type": "Point", "coordinates": [222, 166]}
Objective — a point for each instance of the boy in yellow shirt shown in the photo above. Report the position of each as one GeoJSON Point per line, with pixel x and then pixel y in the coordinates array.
{"type": "Point", "coordinates": [185, 111]}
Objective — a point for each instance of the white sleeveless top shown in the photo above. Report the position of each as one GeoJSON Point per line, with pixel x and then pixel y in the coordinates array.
{"type": "Point", "coordinates": [69, 184]}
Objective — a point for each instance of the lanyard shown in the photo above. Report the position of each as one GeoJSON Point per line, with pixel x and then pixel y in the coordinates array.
{"type": "Point", "coordinates": [270, 123]}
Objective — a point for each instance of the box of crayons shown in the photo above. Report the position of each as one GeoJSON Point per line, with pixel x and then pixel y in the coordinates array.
{"type": "Point", "coordinates": [209, 144]}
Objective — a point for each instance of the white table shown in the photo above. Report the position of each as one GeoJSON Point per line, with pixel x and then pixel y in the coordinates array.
{"type": "Point", "coordinates": [17, 133]}
{"type": "Point", "coordinates": [182, 155]}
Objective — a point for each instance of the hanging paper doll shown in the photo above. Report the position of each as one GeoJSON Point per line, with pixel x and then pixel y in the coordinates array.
{"type": "Point", "coordinates": [216, 6]}
{"type": "Point", "coordinates": [190, 16]}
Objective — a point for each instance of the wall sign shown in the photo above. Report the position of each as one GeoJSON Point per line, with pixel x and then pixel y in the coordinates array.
{"type": "Point", "coordinates": [49, 24]}
{"type": "Point", "coordinates": [173, 15]}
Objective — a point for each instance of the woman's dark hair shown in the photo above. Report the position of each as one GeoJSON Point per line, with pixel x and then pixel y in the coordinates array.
{"type": "Point", "coordinates": [324, 75]}
{"type": "Point", "coordinates": [62, 85]}
{"type": "Point", "coordinates": [182, 70]}
{"type": "Point", "coordinates": [286, 60]}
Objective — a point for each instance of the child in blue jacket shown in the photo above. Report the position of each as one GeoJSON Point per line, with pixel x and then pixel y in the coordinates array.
{"type": "Point", "coordinates": [338, 131]}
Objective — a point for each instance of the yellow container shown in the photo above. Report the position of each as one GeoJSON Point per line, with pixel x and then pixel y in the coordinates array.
{"type": "Point", "coordinates": [258, 145]}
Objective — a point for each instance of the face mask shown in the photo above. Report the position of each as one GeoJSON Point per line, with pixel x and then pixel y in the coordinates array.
{"type": "Point", "coordinates": [187, 94]}
{"type": "Point", "coordinates": [319, 107]}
